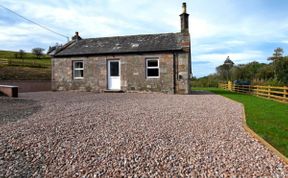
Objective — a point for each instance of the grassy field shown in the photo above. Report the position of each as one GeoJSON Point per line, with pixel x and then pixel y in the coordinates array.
{"type": "Point", "coordinates": [26, 68]}
{"type": "Point", "coordinates": [269, 119]}
{"type": "Point", "coordinates": [11, 55]}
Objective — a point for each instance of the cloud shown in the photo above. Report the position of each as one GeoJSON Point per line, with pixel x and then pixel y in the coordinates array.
{"type": "Point", "coordinates": [205, 64]}
{"type": "Point", "coordinates": [245, 30]}
{"type": "Point", "coordinates": [201, 62]}
{"type": "Point", "coordinates": [92, 18]}
{"type": "Point", "coordinates": [218, 58]}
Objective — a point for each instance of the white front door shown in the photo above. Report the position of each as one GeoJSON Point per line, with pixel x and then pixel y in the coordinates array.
{"type": "Point", "coordinates": [114, 81]}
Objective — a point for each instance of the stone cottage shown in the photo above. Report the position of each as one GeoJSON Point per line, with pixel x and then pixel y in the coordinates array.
{"type": "Point", "coordinates": [153, 62]}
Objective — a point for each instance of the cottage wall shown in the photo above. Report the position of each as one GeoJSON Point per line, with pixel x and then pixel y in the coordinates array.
{"type": "Point", "coordinates": [133, 73]}
{"type": "Point", "coordinates": [183, 78]}
{"type": "Point", "coordinates": [183, 62]}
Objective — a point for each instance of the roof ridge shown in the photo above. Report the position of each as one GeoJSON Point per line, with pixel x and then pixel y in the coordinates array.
{"type": "Point", "coordinates": [149, 34]}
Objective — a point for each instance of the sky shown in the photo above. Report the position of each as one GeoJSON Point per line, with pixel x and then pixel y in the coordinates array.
{"type": "Point", "coordinates": [246, 30]}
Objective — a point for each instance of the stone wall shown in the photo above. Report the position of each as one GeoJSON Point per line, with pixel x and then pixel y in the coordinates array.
{"type": "Point", "coordinates": [133, 73]}
{"type": "Point", "coordinates": [29, 85]}
{"type": "Point", "coordinates": [182, 80]}
{"type": "Point", "coordinates": [183, 65]}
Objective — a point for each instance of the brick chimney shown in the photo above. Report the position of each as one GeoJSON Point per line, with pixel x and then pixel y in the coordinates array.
{"type": "Point", "coordinates": [76, 37]}
{"type": "Point", "coordinates": [184, 19]}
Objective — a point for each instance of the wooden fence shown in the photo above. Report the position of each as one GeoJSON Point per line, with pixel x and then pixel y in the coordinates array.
{"type": "Point", "coordinates": [38, 63]}
{"type": "Point", "coordinates": [3, 61]}
{"type": "Point", "coordinates": [271, 92]}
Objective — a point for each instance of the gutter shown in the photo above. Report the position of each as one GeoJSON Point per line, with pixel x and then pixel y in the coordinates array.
{"type": "Point", "coordinates": [111, 53]}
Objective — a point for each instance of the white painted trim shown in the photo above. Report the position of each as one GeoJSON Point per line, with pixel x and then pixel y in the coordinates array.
{"type": "Point", "coordinates": [78, 69]}
{"type": "Point", "coordinates": [146, 67]}
{"type": "Point", "coordinates": [111, 77]}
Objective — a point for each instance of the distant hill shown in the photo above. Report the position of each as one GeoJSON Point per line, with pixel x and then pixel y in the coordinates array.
{"type": "Point", "coordinates": [11, 55]}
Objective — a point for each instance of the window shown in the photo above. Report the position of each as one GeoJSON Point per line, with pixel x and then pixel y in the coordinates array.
{"type": "Point", "coordinates": [152, 68]}
{"type": "Point", "coordinates": [114, 68]}
{"type": "Point", "coordinates": [78, 69]}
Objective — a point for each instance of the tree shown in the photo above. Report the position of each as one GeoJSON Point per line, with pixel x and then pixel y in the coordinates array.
{"type": "Point", "coordinates": [38, 52]}
{"type": "Point", "coordinates": [211, 80]}
{"type": "Point", "coordinates": [266, 72]}
{"type": "Point", "coordinates": [21, 53]}
{"type": "Point", "coordinates": [251, 69]}
{"type": "Point", "coordinates": [278, 54]}
{"type": "Point", "coordinates": [281, 70]}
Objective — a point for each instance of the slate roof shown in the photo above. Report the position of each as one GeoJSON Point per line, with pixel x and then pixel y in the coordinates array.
{"type": "Point", "coordinates": [228, 61]}
{"type": "Point", "coordinates": [123, 44]}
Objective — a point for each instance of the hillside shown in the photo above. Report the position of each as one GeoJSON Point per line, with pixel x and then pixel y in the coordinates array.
{"type": "Point", "coordinates": [11, 55]}
{"type": "Point", "coordinates": [29, 67]}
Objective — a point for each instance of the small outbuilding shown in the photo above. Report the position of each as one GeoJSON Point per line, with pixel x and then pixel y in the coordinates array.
{"type": "Point", "coordinates": [152, 62]}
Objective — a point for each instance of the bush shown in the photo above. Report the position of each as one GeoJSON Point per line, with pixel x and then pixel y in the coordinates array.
{"type": "Point", "coordinates": [208, 81]}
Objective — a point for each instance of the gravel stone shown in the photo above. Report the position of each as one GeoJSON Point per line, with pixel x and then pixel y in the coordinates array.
{"type": "Point", "coordinates": [81, 134]}
{"type": "Point", "coordinates": [14, 109]}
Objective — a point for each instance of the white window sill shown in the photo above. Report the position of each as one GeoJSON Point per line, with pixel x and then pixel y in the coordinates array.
{"type": "Point", "coordinates": [152, 77]}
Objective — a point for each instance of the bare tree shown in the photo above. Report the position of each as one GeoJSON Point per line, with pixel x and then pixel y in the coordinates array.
{"type": "Point", "coordinates": [21, 53]}
{"type": "Point", "coordinates": [38, 52]}
{"type": "Point", "coordinates": [16, 55]}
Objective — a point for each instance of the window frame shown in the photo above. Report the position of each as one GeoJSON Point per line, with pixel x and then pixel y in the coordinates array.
{"type": "Point", "coordinates": [109, 67]}
{"type": "Point", "coordinates": [153, 67]}
{"type": "Point", "coordinates": [78, 69]}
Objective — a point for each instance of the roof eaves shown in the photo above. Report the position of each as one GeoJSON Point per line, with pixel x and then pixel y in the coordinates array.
{"type": "Point", "coordinates": [101, 54]}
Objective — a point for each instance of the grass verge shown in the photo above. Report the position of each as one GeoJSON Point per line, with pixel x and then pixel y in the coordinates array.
{"type": "Point", "coordinates": [269, 119]}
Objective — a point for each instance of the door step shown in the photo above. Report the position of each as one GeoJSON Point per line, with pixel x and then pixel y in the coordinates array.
{"type": "Point", "coordinates": [113, 91]}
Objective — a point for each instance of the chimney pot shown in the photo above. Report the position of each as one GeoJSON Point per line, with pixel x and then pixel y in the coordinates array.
{"type": "Point", "coordinates": [184, 7]}
{"type": "Point", "coordinates": [184, 19]}
{"type": "Point", "coordinates": [76, 37]}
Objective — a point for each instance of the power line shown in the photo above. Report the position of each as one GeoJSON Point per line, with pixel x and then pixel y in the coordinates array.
{"type": "Point", "coordinates": [35, 23]}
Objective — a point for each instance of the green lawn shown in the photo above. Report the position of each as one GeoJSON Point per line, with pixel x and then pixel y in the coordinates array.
{"type": "Point", "coordinates": [269, 119]}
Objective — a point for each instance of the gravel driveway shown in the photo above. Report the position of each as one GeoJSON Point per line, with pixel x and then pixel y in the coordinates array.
{"type": "Point", "coordinates": [75, 134]}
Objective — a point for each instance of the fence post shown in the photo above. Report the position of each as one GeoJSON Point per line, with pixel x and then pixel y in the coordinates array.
{"type": "Point", "coordinates": [285, 92]}
{"type": "Point", "coordinates": [229, 85]}
{"type": "Point", "coordinates": [269, 91]}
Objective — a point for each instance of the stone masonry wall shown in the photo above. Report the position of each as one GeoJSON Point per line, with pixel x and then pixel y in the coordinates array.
{"type": "Point", "coordinates": [133, 73]}
{"type": "Point", "coordinates": [183, 65]}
